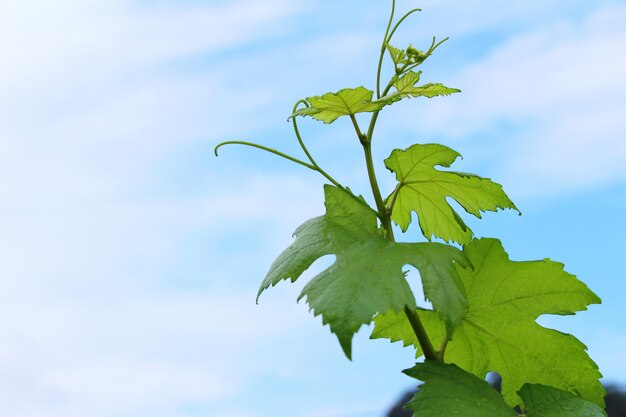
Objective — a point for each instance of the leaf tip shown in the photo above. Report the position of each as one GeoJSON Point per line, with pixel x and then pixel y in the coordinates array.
{"type": "Point", "coordinates": [346, 346]}
{"type": "Point", "coordinates": [258, 294]}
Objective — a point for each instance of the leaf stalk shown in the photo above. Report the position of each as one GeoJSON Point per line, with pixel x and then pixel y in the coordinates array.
{"type": "Point", "coordinates": [383, 214]}
{"type": "Point", "coordinates": [315, 165]}
{"type": "Point", "coordinates": [420, 332]}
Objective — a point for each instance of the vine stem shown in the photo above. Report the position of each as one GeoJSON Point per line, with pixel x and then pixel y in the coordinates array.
{"type": "Point", "coordinates": [409, 13]}
{"type": "Point", "coordinates": [383, 48]}
{"type": "Point", "coordinates": [384, 213]}
{"type": "Point", "coordinates": [428, 53]}
{"type": "Point", "coordinates": [420, 332]}
{"type": "Point", "coordinates": [394, 197]}
{"type": "Point", "coordinates": [266, 149]}
{"type": "Point", "coordinates": [315, 165]}
{"type": "Point", "coordinates": [312, 165]}
{"type": "Point", "coordinates": [444, 345]}
{"type": "Point", "coordinates": [385, 217]}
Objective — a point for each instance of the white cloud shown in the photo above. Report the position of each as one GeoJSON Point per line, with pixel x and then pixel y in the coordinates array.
{"type": "Point", "coordinates": [92, 106]}
{"type": "Point", "coordinates": [126, 352]}
{"type": "Point", "coordinates": [88, 118]}
{"type": "Point", "coordinates": [89, 38]}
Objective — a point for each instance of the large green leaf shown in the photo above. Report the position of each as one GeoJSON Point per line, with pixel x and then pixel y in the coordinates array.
{"type": "Point", "coordinates": [450, 391]}
{"type": "Point", "coordinates": [347, 102]}
{"type": "Point", "coordinates": [366, 277]}
{"type": "Point", "coordinates": [424, 189]}
{"type": "Point", "coordinates": [499, 332]}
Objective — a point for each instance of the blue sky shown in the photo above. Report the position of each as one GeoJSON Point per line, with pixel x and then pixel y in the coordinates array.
{"type": "Point", "coordinates": [131, 256]}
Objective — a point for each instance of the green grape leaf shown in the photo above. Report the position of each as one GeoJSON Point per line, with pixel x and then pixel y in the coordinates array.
{"type": "Point", "coordinates": [406, 87]}
{"type": "Point", "coordinates": [499, 332]}
{"type": "Point", "coordinates": [347, 102]}
{"type": "Point", "coordinates": [366, 277]}
{"type": "Point", "coordinates": [398, 56]}
{"type": "Point", "coordinates": [545, 401]}
{"type": "Point", "coordinates": [362, 281]}
{"type": "Point", "coordinates": [424, 189]}
{"type": "Point", "coordinates": [450, 391]}
{"type": "Point", "coordinates": [348, 219]}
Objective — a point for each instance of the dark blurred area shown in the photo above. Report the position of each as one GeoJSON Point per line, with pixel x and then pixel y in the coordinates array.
{"type": "Point", "coordinates": [615, 401]}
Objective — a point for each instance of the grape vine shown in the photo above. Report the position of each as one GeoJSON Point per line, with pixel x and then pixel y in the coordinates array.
{"type": "Point", "coordinates": [484, 305]}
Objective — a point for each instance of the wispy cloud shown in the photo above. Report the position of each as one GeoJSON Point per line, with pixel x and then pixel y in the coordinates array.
{"type": "Point", "coordinates": [95, 98]}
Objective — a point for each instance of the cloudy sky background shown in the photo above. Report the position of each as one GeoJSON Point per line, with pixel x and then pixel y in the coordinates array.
{"type": "Point", "coordinates": [130, 255]}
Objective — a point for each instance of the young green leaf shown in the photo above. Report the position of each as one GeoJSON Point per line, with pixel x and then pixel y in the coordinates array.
{"type": "Point", "coordinates": [424, 189]}
{"type": "Point", "coordinates": [499, 332]}
{"type": "Point", "coordinates": [406, 87]}
{"type": "Point", "coordinates": [366, 277]}
{"type": "Point", "coordinates": [398, 56]}
{"type": "Point", "coordinates": [346, 102]}
{"type": "Point", "coordinates": [544, 401]}
{"type": "Point", "coordinates": [450, 391]}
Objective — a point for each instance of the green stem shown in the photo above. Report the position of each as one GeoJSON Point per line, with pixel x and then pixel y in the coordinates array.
{"type": "Point", "coordinates": [306, 151]}
{"type": "Point", "coordinates": [394, 197]}
{"type": "Point", "coordinates": [328, 177]}
{"type": "Point", "coordinates": [357, 129]}
{"type": "Point", "coordinates": [409, 13]}
{"type": "Point", "coordinates": [297, 132]}
{"type": "Point", "coordinates": [385, 218]}
{"type": "Point", "coordinates": [443, 346]}
{"type": "Point", "coordinates": [433, 47]}
{"type": "Point", "coordinates": [266, 149]}
{"type": "Point", "coordinates": [383, 48]}
{"type": "Point", "coordinates": [430, 51]}
{"type": "Point", "coordinates": [383, 214]}
{"type": "Point", "coordinates": [370, 129]}
{"type": "Point", "coordinates": [420, 332]}
{"type": "Point", "coordinates": [313, 165]}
